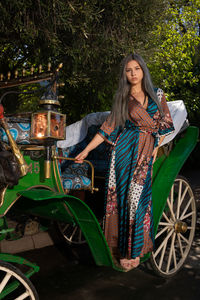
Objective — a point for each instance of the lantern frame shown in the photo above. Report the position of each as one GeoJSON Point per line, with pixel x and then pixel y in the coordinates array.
{"type": "Point", "coordinates": [46, 128]}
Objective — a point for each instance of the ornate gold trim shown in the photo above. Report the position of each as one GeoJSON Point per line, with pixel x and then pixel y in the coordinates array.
{"type": "Point", "coordinates": [48, 101]}
{"type": "Point", "coordinates": [55, 175]}
{"type": "Point", "coordinates": [47, 169]}
{"type": "Point", "coordinates": [2, 194]}
{"type": "Point", "coordinates": [92, 188]}
{"type": "Point", "coordinates": [15, 149]}
{"type": "Point", "coordinates": [31, 148]}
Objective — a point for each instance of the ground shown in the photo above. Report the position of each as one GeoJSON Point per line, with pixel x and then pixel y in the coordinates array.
{"type": "Point", "coordinates": [63, 276]}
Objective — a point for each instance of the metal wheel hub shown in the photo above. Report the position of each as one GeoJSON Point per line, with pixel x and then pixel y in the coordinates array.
{"type": "Point", "coordinates": [180, 227]}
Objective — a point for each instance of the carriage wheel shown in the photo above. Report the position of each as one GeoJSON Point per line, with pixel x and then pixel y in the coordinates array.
{"type": "Point", "coordinates": [176, 230]}
{"type": "Point", "coordinates": [71, 233]}
{"type": "Point", "coordinates": [14, 284]}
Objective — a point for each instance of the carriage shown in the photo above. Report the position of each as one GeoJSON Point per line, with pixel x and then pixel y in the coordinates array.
{"type": "Point", "coordinates": [52, 187]}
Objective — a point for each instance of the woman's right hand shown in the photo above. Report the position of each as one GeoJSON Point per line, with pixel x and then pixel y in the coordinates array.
{"type": "Point", "coordinates": [81, 156]}
{"type": "Point", "coordinates": [96, 141]}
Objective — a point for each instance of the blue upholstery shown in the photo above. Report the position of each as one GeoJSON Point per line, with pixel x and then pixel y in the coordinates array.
{"type": "Point", "coordinates": [19, 131]}
{"type": "Point", "coordinates": [73, 177]}
{"type": "Point", "coordinates": [76, 176]}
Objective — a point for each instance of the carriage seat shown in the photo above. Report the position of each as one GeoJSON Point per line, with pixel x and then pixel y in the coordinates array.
{"type": "Point", "coordinates": [19, 129]}
{"type": "Point", "coordinates": [77, 176]}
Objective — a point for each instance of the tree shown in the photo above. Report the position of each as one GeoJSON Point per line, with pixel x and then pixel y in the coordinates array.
{"type": "Point", "coordinates": [89, 37]}
{"type": "Point", "coordinates": [176, 63]}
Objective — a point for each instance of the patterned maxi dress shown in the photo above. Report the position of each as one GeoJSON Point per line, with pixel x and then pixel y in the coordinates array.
{"type": "Point", "coordinates": [128, 212]}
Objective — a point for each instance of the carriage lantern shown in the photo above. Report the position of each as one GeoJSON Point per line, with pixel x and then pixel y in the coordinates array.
{"type": "Point", "coordinates": [47, 124]}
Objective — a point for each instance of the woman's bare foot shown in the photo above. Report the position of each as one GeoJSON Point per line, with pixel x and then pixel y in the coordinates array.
{"type": "Point", "coordinates": [129, 264]}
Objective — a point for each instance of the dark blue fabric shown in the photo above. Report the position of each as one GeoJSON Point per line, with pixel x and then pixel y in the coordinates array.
{"type": "Point", "coordinates": [125, 163]}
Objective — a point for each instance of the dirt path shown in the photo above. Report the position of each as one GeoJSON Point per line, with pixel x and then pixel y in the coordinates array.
{"type": "Point", "coordinates": [62, 277]}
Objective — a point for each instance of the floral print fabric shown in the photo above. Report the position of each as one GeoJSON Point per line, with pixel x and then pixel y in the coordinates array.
{"type": "Point", "coordinates": [128, 209]}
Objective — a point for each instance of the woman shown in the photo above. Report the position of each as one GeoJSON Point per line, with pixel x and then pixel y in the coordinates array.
{"type": "Point", "coordinates": [136, 127]}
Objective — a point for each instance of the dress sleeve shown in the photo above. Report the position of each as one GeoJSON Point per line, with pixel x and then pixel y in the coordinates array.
{"type": "Point", "coordinates": [166, 124]}
{"type": "Point", "coordinates": [108, 131]}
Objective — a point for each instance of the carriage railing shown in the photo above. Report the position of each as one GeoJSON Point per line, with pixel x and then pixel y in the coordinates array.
{"type": "Point", "coordinates": [91, 188]}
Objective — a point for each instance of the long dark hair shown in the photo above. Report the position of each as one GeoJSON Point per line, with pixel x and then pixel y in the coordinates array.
{"type": "Point", "coordinates": [119, 113]}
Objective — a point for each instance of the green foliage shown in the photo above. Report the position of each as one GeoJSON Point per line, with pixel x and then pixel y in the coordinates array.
{"type": "Point", "coordinates": [29, 98]}
{"type": "Point", "coordinates": [176, 63]}
{"type": "Point", "coordinates": [89, 37]}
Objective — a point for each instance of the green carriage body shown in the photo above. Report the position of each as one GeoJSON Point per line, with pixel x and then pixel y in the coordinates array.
{"type": "Point", "coordinates": [46, 197]}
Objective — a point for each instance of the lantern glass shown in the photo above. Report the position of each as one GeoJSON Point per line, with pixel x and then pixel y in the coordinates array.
{"type": "Point", "coordinates": [48, 125]}
{"type": "Point", "coordinates": [57, 126]}
{"type": "Point", "coordinates": [39, 125]}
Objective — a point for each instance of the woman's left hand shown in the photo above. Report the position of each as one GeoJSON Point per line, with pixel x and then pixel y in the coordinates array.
{"type": "Point", "coordinates": [154, 154]}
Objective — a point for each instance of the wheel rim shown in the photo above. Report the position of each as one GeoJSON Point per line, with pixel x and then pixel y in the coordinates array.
{"type": "Point", "coordinates": [176, 229]}
{"type": "Point", "coordinates": [72, 233]}
{"type": "Point", "coordinates": [13, 285]}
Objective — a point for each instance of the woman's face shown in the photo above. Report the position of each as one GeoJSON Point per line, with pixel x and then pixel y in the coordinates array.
{"type": "Point", "coordinates": [134, 72]}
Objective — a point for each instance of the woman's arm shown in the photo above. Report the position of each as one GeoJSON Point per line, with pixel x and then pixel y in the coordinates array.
{"type": "Point", "coordinates": [96, 141]}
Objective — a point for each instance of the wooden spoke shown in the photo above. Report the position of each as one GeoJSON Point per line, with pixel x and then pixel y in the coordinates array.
{"type": "Point", "coordinates": [65, 227]}
{"type": "Point", "coordinates": [5, 281]}
{"type": "Point", "coordinates": [188, 215]}
{"type": "Point", "coordinates": [175, 230]}
{"type": "Point", "coordinates": [179, 199]}
{"type": "Point", "coordinates": [172, 196]}
{"type": "Point", "coordinates": [174, 257]}
{"type": "Point", "coordinates": [166, 218]}
{"type": "Point", "coordinates": [162, 254]}
{"type": "Point", "coordinates": [183, 238]}
{"type": "Point", "coordinates": [23, 296]}
{"type": "Point", "coordinates": [184, 193]}
{"type": "Point", "coordinates": [186, 208]}
{"type": "Point", "coordinates": [171, 210]}
{"type": "Point", "coordinates": [180, 245]}
{"type": "Point", "coordinates": [73, 233]}
{"type": "Point", "coordinates": [172, 249]}
{"type": "Point", "coordinates": [163, 243]}
{"type": "Point", "coordinates": [161, 231]}
{"type": "Point", "coordinates": [166, 224]}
